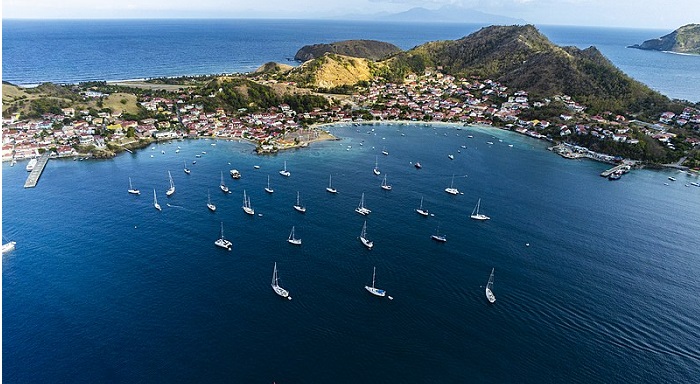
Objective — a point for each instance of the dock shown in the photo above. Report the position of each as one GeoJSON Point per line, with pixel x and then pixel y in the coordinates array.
{"type": "Point", "coordinates": [621, 167]}
{"type": "Point", "coordinates": [38, 169]}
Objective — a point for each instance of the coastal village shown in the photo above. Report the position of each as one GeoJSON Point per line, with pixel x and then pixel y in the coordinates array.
{"type": "Point", "coordinates": [432, 97]}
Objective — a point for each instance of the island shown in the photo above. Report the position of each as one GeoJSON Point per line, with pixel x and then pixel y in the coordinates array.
{"type": "Point", "coordinates": [507, 77]}
{"type": "Point", "coordinates": [685, 39]}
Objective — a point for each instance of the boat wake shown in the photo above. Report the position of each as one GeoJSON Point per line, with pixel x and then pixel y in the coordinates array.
{"type": "Point", "coordinates": [174, 206]}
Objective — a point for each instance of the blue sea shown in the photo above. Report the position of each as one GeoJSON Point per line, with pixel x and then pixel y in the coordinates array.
{"type": "Point", "coordinates": [596, 281]}
{"type": "Point", "coordinates": [70, 51]}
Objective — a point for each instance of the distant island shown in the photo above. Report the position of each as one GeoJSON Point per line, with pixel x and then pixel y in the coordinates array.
{"type": "Point", "coordinates": [510, 77]}
{"type": "Point", "coordinates": [685, 39]}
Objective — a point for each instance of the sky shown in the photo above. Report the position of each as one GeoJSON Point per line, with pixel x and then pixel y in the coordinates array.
{"type": "Point", "coordinates": [651, 14]}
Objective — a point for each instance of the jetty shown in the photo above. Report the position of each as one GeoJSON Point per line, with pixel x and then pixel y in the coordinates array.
{"type": "Point", "coordinates": [38, 169]}
{"type": "Point", "coordinates": [621, 167]}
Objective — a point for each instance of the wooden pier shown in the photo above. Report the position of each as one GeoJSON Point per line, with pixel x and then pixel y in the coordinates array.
{"type": "Point", "coordinates": [38, 169]}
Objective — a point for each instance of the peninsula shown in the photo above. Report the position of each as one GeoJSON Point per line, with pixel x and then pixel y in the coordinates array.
{"type": "Point", "coordinates": [685, 39]}
{"type": "Point", "coordinates": [512, 78]}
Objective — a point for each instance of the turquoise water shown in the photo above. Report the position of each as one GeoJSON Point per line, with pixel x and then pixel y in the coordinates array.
{"type": "Point", "coordinates": [102, 287]}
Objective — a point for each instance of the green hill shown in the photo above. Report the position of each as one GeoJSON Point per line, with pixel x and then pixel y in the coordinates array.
{"type": "Point", "coordinates": [685, 39]}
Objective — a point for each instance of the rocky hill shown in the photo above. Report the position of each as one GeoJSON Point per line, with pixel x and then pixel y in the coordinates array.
{"type": "Point", "coordinates": [332, 71]}
{"type": "Point", "coordinates": [366, 49]}
{"type": "Point", "coordinates": [272, 67]}
{"type": "Point", "coordinates": [685, 39]}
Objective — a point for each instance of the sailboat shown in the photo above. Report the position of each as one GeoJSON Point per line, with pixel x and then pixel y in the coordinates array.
{"type": "Point", "coordinates": [489, 288]}
{"type": "Point", "coordinates": [475, 213]}
{"type": "Point", "coordinates": [452, 190]}
{"type": "Point", "coordinates": [170, 190]}
{"type": "Point", "coordinates": [438, 237]}
{"type": "Point", "coordinates": [285, 172]}
{"type": "Point", "coordinates": [361, 208]}
{"type": "Point", "coordinates": [298, 205]}
{"type": "Point", "coordinates": [246, 205]}
{"type": "Point", "coordinates": [373, 290]}
{"type": "Point", "coordinates": [384, 185]}
{"type": "Point", "coordinates": [155, 200]}
{"type": "Point", "coordinates": [268, 189]}
{"type": "Point", "coordinates": [223, 186]}
{"type": "Point", "coordinates": [221, 242]}
{"type": "Point", "coordinates": [376, 166]}
{"type": "Point", "coordinates": [132, 190]}
{"type": "Point", "coordinates": [276, 286]}
{"type": "Point", "coordinates": [211, 206]}
{"type": "Point", "coordinates": [363, 237]}
{"type": "Point", "coordinates": [187, 170]}
{"type": "Point", "coordinates": [330, 188]}
{"type": "Point", "coordinates": [385, 152]}
{"type": "Point", "coordinates": [292, 239]}
{"type": "Point", "coordinates": [420, 210]}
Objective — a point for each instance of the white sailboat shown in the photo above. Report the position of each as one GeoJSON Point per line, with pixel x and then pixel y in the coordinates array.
{"type": "Point", "coordinates": [292, 239]}
{"type": "Point", "coordinates": [285, 172]}
{"type": "Point", "coordinates": [451, 189]}
{"type": "Point", "coordinates": [489, 288]}
{"type": "Point", "coordinates": [376, 166]}
{"type": "Point", "coordinates": [246, 205]}
{"type": "Point", "coordinates": [361, 208]}
{"type": "Point", "coordinates": [384, 185]}
{"type": "Point", "coordinates": [420, 210]}
{"type": "Point", "coordinates": [155, 200]}
{"type": "Point", "coordinates": [438, 237]}
{"type": "Point", "coordinates": [268, 189]}
{"type": "Point", "coordinates": [221, 242]}
{"type": "Point", "coordinates": [276, 286]}
{"type": "Point", "coordinates": [223, 186]}
{"type": "Point", "coordinates": [475, 213]}
{"type": "Point", "coordinates": [211, 206]}
{"type": "Point", "coordinates": [372, 289]}
{"type": "Point", "coordinates": [363, 237]}
{"type": "Point", "coordinates": [385, 152]}
{"type": "Point", "coordinates": [330, 188]}
{"type": "Point", "coordinates": [185, 169]}
{"type": "Point", "coordinates": [132, 190]}
{"type": "Point", "coordinates": [170, 190]}
{"type": "Point", "coordinates": [298, 206]}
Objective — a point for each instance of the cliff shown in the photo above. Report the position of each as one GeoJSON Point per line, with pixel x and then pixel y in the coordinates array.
{"type": "Point", "coordinates": [685, 39]}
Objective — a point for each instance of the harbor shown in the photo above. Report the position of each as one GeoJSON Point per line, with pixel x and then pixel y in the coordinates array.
{"type": "Point", "coordinates": [35, 173]}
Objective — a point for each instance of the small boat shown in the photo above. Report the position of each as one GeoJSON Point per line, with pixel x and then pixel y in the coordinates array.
{"type": "Point", "coordinates": [475, 213]}
{"type": "Point", "coordinates": [7, 247]}
{"type": "Point", "coordinates": [235, 174]}
{"type": "Point", "coordinates": [223, 186]}
{"type": "Point", "coordinates": [384, 185]}
{"type": "Point", "coordinates": [276, 286]}
{"type": "Point", "coordinates": [615, 176]}
{"type": "Point", "coordinates": [246, 205]}
{"type": "Point", "coordinates": [451, 157]}
{"type": "Point", "coordinates": [330, 188]}
{"type": "Point", "coordinates": [170, 190]}
{"type": "Point", "coordinates": [292, 239]}
{"type": "Point", "coordinates": [194, 162]}
{"type": "Point", "coordinates": [298, 206]}
{"type": "Point", "coordinates": [155, 200]}
{"type": "Point", "coordinates": [185, 169]}
{"type": "Point", "coordinates": [221, 242]}
{"type": "Point", "coordinates": [376, 166]}
{"type": "Point", "coordinates": [438, 237]}
{"type": "Point", "coordinates": [384, 152]}
{"type": "Point", "coordinates": [489, 288]}
{"type": "Point", "coordinates": [451, 189]}
{"type": "Point", "coordinates": [489, 142]}
{"type": "Point", "coordinates": [363, 237]}
{"type": "Point", "coordinates": [198, 156]}
{"type": "Point", "coordinates": [470, 136]}
{"type": "Point", "coordinates": [420, 210]}
{"type": "Point", "coordinates": [31, 165]}
{"type": "Point", "coordinates": [211, 206]}
{"type": "Point", "coordinates": [672, 178]}
{"type": "Point", "coordinates": [285, 172]}
{"type": "Point", "coordinates": [372, 289]}
{"type": "Point", "coordinates": [417, 165]}
{"type": "Point", "coordinates": [361, 208]}
{"type": "Point", "coordinates": [695, 184]}
{"type": "Point", "coordinates": [256, 167]}
{"type": "Point", "coordinates": [132, 190]}
{"type": "Point", "coordinates": [464, 147]}
{"type": "Point", "coordinates": [268, 189]}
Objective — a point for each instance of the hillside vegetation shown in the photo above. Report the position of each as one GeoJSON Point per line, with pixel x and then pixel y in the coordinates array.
{"type": "Point", "coordinates": [685, 39]}
{"type": "Point", "coordinates": [366, 49]}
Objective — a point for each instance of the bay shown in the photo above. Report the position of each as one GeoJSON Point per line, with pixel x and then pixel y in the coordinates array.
{"type": "Point", "coordinates": [102, 287]}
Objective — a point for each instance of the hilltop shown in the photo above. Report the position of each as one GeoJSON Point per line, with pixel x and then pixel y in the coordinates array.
{"type": "Point", "coordinates": [685, 39]}
{"type": "Point", "coordinates": [366, 49]}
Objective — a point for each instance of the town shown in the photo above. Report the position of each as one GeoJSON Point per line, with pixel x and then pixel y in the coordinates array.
{"type": "Point", "coordinates": [432, 97]}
